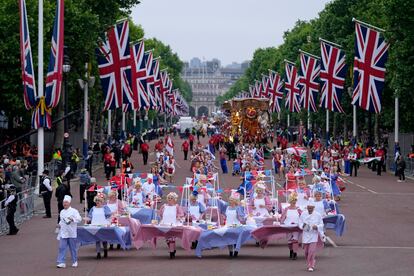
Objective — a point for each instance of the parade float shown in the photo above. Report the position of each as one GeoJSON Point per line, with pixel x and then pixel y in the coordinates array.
{"type": "Point", "coordinates": [249, 119]}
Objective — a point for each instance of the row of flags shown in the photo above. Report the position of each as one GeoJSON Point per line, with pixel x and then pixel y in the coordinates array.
{"type": "Point", "coordinates": [131, 77]}
{"type": "Point", "coordinates": [326, 74]}
{"type": "Point", "coordinates": [42, 116]}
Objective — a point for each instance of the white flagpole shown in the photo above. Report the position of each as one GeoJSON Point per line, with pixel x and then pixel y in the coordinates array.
{"type": "Point", "coordinates": [109, 123]}
{"type": "Point", "coordinates": [396, 119]}
{"type": "Point", "coordinates": [354, 125]}
{"type": "Point", "coordinates": [327, 124]}
{"type": "Point", "coordinates": [123, 122]}
{"type": "Point", "coordinates": [135, 119]}
{"type": "Point", "coordinates": [288, 120]}
{"type": "Point", "coordinates": [40, 131]}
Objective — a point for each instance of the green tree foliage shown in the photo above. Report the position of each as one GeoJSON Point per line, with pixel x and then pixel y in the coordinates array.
{"type": "Point", "coordinates": [335, 24]}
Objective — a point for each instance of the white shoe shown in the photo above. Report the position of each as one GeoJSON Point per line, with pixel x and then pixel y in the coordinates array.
{"type": "Point", "coordinates": [399, 180]}
{"type": "Point", "coordinates": [61, 265]}
{"type": "Point", "coordinates": [75, 264]}
{"type": "Point", "coordinates": [310, 269]}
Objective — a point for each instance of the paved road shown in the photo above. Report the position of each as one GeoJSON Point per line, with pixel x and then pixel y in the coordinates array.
{"type": "Point", "coordinates": [379, 239]}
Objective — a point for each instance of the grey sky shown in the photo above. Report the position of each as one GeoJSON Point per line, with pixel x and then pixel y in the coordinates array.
{"type": "Point", "coordinates": [229, 30]}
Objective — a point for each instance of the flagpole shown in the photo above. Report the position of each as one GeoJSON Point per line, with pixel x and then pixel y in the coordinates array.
{"type": "Point", "coordinates": [354, 127]}
{"type": "Point", "coordinates": [40, 130]}
{"type": "Point", "coordinates": [396, 118]}
{"type": "Point", "coordinates": [109, 123]}
{"type": "Point", "coordinates": [134, 122]}
{"type": "Point", "coordinates": [288, 120]}
{"type": "Point", "coordinates": [327, 126]}
{"type": "Point", "coordinates": [123, 122]}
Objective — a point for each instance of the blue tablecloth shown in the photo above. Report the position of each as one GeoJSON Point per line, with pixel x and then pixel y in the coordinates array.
{"type": "Point", "coordinates": [92, 234]}
{"type": "Point", "coordinates": [144, 215]}
{"type": "Point", "coordinates": [219, 238]}
{"type": "Point", "coordinates": [336, 222]}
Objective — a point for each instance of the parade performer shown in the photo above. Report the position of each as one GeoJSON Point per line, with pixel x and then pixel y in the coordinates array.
{"type": "Point", "coordinates": [137, 195]}
{"type": "Point", "coordinates": [117, 207]}
{"type": "Point", "coordinates": [312, 224]}
{"type": "Point", "coordinates": [45, 189]}
{"type": "Point", "coordinates": [291, 179]}
{"type": "Point", "coordinates": [321, 205]}
{"type": "Point", "coordinates": [69, 218]}
{"type": "Point", "coordinates": [235, 216]}
{"type": "Point", "coordinates": [290, 217]}
{"type": "Point", "coordinates": [171, 214]}
{"type": "Point", "coordinates": [303, 193]}
{"type": "Point", "coordinates": [195, 208]}
{"type": "Point", "coordinates": [99, 215]}
{"type": "Point", "coordinates": [223, 162]}
{"type": "Point", "coordinates": [260, 204]}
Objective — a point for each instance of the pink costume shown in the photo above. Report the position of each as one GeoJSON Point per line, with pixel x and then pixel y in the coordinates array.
{"type": "Point", "coordinates": [310, 236]}
{"type": "Point", "coordinates": [291, 217]}
{"type": "Point", "coordinates": [170, 214]}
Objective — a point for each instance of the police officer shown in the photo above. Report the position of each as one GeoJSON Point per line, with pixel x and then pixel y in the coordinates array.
{"type": "Point", "coordinates": [11, 204]}
{"type": "Point", "coordinates": [45, 190]}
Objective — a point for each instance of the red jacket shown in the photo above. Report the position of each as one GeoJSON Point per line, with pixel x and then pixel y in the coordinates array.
{"type": "Point", "coordinates": [144, 147]}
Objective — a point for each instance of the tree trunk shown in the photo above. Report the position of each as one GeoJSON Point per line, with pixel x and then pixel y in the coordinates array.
{"type": "Point", "coordinates": [60, 127]}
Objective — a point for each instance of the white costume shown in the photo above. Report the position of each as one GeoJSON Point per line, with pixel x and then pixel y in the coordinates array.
{"type": "Point", "coordinates": [307, 221]}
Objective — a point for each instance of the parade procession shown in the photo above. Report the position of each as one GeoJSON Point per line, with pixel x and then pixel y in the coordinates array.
{"type": "Point", "coordinates": [123, 159]}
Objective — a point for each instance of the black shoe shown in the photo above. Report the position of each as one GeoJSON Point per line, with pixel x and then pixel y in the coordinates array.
{"type": "Point", "coordinates": [46, 216]}
{"type": "Point", "coordinates": [295, 256]}
{"type": "Point", "coordinates": [236, 253]}
{"type": "Point", "coordinates": [118, 246]}
{"type": "Point", "coordinates": [98, 256]}
{"type": "Point", "coordinates": [172, 254]}
{"type": "Point", "coordinates": [231, 254]}
{"type": "Point", "coordinates": [257, 244]}
{"type": "Point", "coordinates": [111, 247]}
{"type": "Point", "coordinates": [105, 253]}
{"type": "Point", "coordinates": [194, 245]}
{"type": "Point", "coordinates": [291, 254]}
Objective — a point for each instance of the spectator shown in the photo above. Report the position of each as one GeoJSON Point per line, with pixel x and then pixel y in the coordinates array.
{"type": "Point", "coordinates": [401, 168]}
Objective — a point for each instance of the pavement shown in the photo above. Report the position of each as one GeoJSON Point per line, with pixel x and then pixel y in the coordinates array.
{"type": "Point", "coordinates": [378, 240]}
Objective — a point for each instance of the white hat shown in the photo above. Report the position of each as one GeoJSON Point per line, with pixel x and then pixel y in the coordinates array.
{"type": "Point", "coordinates": [67, 198]}
{"type": "Point", "coordinates": [93, 180]}
{"type": "Point", "coordinates": [311, 202]}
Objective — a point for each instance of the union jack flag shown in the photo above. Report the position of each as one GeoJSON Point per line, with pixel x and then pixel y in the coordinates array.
{"type": "Point", "coordinates": [114, 63]}
{"type": "Point", "coordinates": [275, 91]}
{"type": "Point", "coordinates": [252, 91]}
{"type": "Point", "coordinates": [309, 85]}
{"type": "Point", "coordinates": [166, 90]}
{"type": "Point", "coordinates": [332, 76]}
{"type": "Point", "coordinates": [173, 99]}
{"type": "Point", "coordinates": [258, 89]}
{"type": "Point", "coordinates": [371, 53]}
{"type": "Point", "coordinates": [292, 87]}
{"type": "Point", "coordinates": [139, 74]}
{"type": "Point", "coordinates": [157, 83]}
{"type": "Point", "coordinates": [265, 87]}
{"type": "Point", "coordinates": [54, 70]}
{"type": "Point", "coordinates": [148, 58]}
{"type": "Point", "coordinates": [28, 78]}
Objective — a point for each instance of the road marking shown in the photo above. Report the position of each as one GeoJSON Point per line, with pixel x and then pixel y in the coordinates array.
{"type": "Point", "coordinates": [374, 192]}
{"type": "Point", "coordinates": [377, 247]}
{"type": "Point", "coordinates": [364, 188]}
{"type": "Point", "coordinates": [331, 242]}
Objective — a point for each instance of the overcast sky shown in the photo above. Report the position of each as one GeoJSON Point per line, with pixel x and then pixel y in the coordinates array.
{"type": "Point", "coordinates": [229, 30]}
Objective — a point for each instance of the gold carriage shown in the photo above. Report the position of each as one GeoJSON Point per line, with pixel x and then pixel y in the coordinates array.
{"type": "Point", "coordinates": [249, 119]}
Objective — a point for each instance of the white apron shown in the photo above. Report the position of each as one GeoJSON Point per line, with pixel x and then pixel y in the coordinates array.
{"type": "Point", "coordinates": [261, 212]}
{"type": "Point", "coordinates": [320, 208]}
{"type": "Point", "coordinates": [292, 217]}
{"type": "Point", "coordinates": [98, 217]}
{"type": "Point", "coordinates": [113, 207]}
{"type": "Point", "coordinates": [195, 211]}
{"type": "Point", "coordinates": [170, 215]}
{"type": "Point", "coordinates": [302, 202]}
{"type": "Point", "coordinates": [231, 217]}
{"type": "Point", "coordinates": [138, 199]}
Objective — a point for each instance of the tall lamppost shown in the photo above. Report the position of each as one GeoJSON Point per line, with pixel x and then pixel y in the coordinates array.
{"type": "Point", "coordinates": [66, 145]}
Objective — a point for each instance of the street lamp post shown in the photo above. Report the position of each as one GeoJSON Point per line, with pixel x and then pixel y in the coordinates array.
{"type": "Point", "coordinates": [66, 145]}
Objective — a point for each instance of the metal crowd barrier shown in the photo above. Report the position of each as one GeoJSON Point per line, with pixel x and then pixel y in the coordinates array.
{"type": "Point", "coordinates": [24, 209]}
{"type": "Point", "coordinates": [409, 165]}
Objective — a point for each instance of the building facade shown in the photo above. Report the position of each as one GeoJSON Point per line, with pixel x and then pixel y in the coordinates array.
{"type": "Point", "coordinates": [208, 80]}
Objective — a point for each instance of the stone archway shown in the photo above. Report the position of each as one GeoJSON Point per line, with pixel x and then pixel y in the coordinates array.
{"type": "Point", "coordinates": [203, 110]}
{"type": "Point", "coordinates": [192, 111]}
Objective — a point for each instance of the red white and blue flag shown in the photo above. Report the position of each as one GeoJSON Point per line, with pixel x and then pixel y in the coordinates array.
{"type": "Point", "coordinates": [114, 63]}
{"type": "Point", "coordinates": [258, 89]}
{"type": "Point", "coordinates": [308, 81]}
{"type": "Point", "coordinates": [275, 91]}
{"type": "Point", "coordinates": [252, 91]}
{"type": "Point", "coordinates": [157, 83]}
{"type": "Point", "coordinates": [28, 77]}
{"type": "Point", "coordinates": [265, 87]}
{"type": "Point", "coordinates": [147, 60]}
{"type": "Point", "coordinates": [139, 74]}
{"type": "Point", "coordinates": [292, 88]}
{"type": "Point", "coordinates": [332, 77]}
{"type": "Point", "coordinates": [54, 70]}
{"type": "Point", "coordinates": [371, 53]}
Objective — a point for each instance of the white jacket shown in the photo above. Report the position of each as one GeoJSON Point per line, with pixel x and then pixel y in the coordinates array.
{"type": "Point", "coordinates": [69, 219]}
{"type": "Point", "coordinates": [306, 222]}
